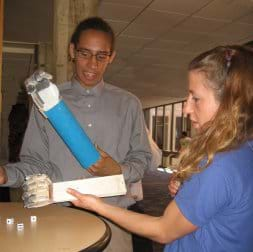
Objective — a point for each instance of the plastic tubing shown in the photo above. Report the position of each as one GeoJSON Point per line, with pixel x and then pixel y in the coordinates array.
{"type": "Point", "coordinates": [73, 134]}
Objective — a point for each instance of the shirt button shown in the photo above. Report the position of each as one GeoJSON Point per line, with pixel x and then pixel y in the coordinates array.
{"type": "Point", "coordinates": [90, 125]}
{"type": "Point", "coordinates": [89, 105]}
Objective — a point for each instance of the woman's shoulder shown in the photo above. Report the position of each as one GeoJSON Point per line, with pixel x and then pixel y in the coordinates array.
{"type": "Point", "coordinates": [241, 154]}
{"type": "Point", "coordinates": [235, 162]}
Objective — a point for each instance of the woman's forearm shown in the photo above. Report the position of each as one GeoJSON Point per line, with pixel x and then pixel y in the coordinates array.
{"type": "Point", "coordinates": [141, 224]}
{"type": "Point", "coordinates": [165, 229]}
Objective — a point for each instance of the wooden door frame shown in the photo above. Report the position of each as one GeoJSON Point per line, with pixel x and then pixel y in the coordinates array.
{"type": "Point", "coordinates": [1, 62]}
{"type": "Point", "coordinates": [1, 48]}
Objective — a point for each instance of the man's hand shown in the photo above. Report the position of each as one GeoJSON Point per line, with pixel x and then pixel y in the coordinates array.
{"type": "Point", "coordinates": [105, 166]}
{"type": "Point", "coordinates": [173, 186]}
{"type": "Point", "coordinates": [3, 176]}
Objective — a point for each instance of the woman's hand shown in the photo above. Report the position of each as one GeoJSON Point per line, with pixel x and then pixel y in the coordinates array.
{"type": "Point", "coordinates": [173, 186]}
{"type": "Point", "coordinates": [86, 201]}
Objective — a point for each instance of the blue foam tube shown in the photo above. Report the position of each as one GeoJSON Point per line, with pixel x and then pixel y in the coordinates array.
{"type": "Point", "coordinates": [72, 134]}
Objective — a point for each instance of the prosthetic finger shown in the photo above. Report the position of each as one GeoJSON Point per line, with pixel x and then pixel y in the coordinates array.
{"type": "Point", "coordinates": [37, 191]}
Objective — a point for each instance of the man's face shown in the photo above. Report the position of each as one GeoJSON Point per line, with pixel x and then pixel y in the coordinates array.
{"type": "Point", "coordinates": [92, 56]}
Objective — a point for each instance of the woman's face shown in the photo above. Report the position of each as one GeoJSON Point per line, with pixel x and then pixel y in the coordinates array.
{"type": "Point", "coordinates": [201, 104]}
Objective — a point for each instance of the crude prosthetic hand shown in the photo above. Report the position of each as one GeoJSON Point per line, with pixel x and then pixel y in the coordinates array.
{"type": "Point", "coordinates": [37, 191]}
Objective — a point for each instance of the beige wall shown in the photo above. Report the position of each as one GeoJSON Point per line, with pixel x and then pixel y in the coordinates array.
{"type": "Point", "coordinates": [67, 14]}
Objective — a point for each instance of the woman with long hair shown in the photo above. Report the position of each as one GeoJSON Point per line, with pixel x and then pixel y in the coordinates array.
{"type": "Point", "coordinates": [213, 208]}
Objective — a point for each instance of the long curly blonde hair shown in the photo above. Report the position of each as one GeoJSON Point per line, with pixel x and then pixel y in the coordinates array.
{"type": "Point", "coordinates": [229, 71]}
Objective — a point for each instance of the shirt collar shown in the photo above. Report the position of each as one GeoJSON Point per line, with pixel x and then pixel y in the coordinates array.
{"type": "Point", "coordinates": [94, 91]}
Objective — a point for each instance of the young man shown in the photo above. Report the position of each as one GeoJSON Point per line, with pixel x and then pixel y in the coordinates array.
{"type": "Point", "coordinates": [111, 117]}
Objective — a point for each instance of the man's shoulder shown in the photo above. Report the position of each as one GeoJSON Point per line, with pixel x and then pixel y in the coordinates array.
{"type": "Point", "coordinates": [112, 88]}
{"type": "Point", "coordinates": [64, 86]}
{"type": "Point", "coordinates": [120, 92]}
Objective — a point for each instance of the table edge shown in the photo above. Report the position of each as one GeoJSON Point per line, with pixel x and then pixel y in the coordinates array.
{"type": "Point", "coordinates": [102, 243]}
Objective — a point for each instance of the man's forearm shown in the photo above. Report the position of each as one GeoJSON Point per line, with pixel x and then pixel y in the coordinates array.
{"type": "Point", "coordinates": [133, 170]}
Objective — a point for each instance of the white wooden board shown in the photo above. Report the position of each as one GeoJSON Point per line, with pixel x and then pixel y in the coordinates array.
{"type": "Point", "coordinates": [101, 186]}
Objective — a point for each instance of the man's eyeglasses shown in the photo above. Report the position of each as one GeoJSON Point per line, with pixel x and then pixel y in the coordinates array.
{"type": "Point", "coordinates": [101, 56]}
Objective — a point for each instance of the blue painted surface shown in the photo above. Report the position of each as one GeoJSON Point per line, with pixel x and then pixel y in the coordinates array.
{"type": "Point", "coordinates": [73, 134]}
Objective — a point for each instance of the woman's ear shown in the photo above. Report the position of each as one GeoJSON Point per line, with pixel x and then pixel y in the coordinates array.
{"type": "Point", "coordinates": [72, 51]}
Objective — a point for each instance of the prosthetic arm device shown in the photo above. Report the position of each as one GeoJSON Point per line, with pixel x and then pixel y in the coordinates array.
{"type": "Point", "coordinates": [46, 96]}
{"type": "Point", "coordinates": [38, 188]}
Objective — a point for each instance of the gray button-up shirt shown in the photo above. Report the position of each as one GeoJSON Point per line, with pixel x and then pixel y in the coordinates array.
{"type": "Point", "coordinates": [110, 116]}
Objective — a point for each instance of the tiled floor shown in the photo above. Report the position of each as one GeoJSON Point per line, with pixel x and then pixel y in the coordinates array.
{"type": "Point", "coordinates": [156, 198]}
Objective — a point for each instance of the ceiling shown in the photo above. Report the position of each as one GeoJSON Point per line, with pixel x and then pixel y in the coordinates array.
{"type": "Point", "coordinates": [157, 38]}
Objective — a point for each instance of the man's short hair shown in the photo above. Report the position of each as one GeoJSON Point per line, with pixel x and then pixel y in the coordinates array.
{"type": "Point", "coordinates": [94, 23]}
